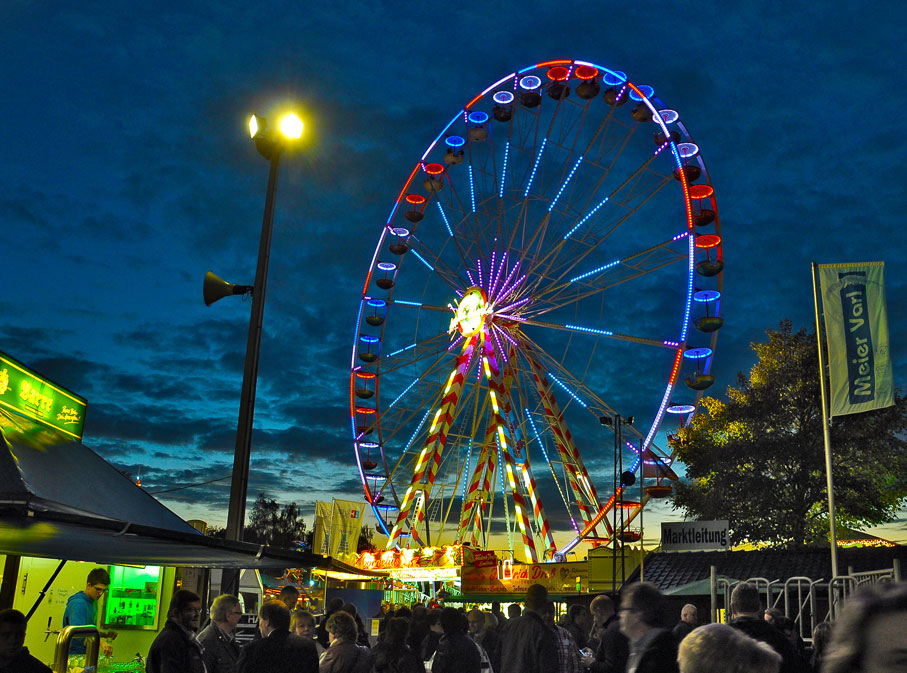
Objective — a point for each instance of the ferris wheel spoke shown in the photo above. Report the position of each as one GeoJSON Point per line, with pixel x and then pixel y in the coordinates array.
{"type": "Point", "coordinates": [586, 498]}
{"type": "Point", "coordinates": [660, 343]}
{"type": "Point", "coordinates": [546, 264]}
{"type": "Point", "coordinates": [569, 383]}
{"type": "Point", "coordinates": [561, 292]}
{"type": "Point", "coordinates": [460, 220]}
{"type": "Point", "coordinates": [415, 352]}
{"type": "Point", "coordinates": [433, 261]}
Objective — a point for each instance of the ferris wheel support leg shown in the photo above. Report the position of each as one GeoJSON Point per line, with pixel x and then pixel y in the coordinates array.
{"type": "Point", "coordinates": [430, 457]}
{"type": "Point", "coordinates": [498, 395]}
{"type": "Point", "coordinates": [541, 521]}
{"type": "Point", "coordinates": [565, 445]}
{"type": "Point", "coordinates": [538, 509]}
{"type": "Point", "coordinates": [471, 516]}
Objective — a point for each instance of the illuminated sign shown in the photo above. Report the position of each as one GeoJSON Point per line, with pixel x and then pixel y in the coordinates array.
{"type": "Point", "coordinates": [427, 563]}
{"type": "Point", "coordinates": [26, 392]}
{"type": "Point", "coordinates": [558, 578]}
{"type": "Point", "coordinates": [470, 312]}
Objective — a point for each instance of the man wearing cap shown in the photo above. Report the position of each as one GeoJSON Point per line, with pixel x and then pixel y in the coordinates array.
{"type": "Point", "coordinates": [529, 645]}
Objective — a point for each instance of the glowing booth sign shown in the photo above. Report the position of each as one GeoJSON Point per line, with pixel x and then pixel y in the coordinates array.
{"type": "Point", "coordinates": [28, 393]}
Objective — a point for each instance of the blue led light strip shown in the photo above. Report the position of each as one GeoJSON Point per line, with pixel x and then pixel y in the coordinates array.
{"type": "Point", "coordinates": [472, 189]}
{"type": "Point", "coordinates": [545, 453]}
{"type": "Point", "coordinates": [418, 428]}
{"type": "Point", "coordinates": [504, 169]}
{"type": "Point", "coordinates": [690, 273]}
{"type": "Point", "coordinates": [566, 182]}
{"type": "Point", "coordinates": [466, 470]}
{"type": "Point", "coordinates": [444, 217]}
{"type": "Point", "coordinates": [535, 166]}
{"type": "Point", "coordinates": [589, 329]}
{"type": "Point", "coordinates": [407, 303]}
{"type": "Point", "coordinates": [569, 392]}
{"type": "Point", "coordinates": [583, 221]}
{"type": "Point", "coordinates": [415, 381]}
{"type": "Point", "coordinates": [594, 271]}
{"type": "Point", "coordinates": [422, 259]}
{"type": "Point", "coordinates": [401, 350]}
{"type": "Point", "coordinates": [537, 436]}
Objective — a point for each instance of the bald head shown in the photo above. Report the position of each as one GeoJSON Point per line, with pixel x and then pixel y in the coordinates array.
{"type": "Point", "coordinates": [689, 614]}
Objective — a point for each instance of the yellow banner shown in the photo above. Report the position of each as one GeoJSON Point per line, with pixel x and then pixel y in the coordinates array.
{"type": "Point", "coordinates": [856, 330]}
{"type": "Point", "coordinates": [345, 526]}
{"type": "Point", "coordinates": [322, 534]}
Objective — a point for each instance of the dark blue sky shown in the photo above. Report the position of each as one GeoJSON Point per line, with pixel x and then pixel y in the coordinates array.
{"type": "Point", "coordinates": [127, 173]}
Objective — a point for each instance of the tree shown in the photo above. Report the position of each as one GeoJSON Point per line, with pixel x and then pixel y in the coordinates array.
{"type": "Point", "coordinates": [365, 539]}
{"type": "Point", "coordinates": [273, 526]}
{"type": "Point", "coordinates": [758, 459]}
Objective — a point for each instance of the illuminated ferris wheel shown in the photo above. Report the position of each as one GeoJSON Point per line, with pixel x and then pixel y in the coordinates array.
{"type": "Point", "coordinates": [554, 257]}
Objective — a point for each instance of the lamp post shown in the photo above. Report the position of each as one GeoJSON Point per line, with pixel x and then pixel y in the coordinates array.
{"type": "Point", "coordinates": [270, 145]}
{"type": "Point", "coordinates": [626, 479]}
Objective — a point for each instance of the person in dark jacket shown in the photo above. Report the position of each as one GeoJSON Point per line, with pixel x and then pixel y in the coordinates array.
{"type": "Point", "coordinates": [361, 633]}
{"type": "Point", "coordinates": [610, 647]}
{"type": "Point", "coordinates": [747, 616]}
{"type": "Point", "coordinates": [579, 621]}
{"type": "Point", "coordinates": [176, 649]}
{"type": "Point", "coordinates": [528, 645]}
{"type": "Point", "coordinates": [14, 656]}
{"type": "Point", "coordinates": [418, 628]}
{"type": "Point", "coordinates": [392, 654]}
{"type": "Point", "coordinates": [869, 634]}
{"type": "Point", "coordinates": [486, 636]}
{"type": "Point", "coordinates": [219, 637]}
{"type": "Point", "coordinates": [653, 649]}
{"type": "Point", "coordinates": [278, 651]}
{"type": "Point", "coordinates": [430, 642]}
{"type": "Point", "coordinates": [344, 655]}
{"type": "Point", "coordinates": [457, 652]}
{"type": "Point", "coordinates": [688, 621]}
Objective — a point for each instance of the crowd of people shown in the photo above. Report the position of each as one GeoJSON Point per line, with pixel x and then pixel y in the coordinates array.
{"type": "Point", "coordinates": [634, 637]}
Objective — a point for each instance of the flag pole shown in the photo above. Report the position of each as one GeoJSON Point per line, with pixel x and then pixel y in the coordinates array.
{"type": "Point", "coordinates": [833, 536]}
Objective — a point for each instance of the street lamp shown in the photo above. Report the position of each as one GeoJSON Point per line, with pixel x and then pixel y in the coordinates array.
{"type": "Point", "coordinates": [270, 144]}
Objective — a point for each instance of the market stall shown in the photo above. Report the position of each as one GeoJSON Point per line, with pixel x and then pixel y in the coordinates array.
{"type": "Point", "coordinates": [65, 510]}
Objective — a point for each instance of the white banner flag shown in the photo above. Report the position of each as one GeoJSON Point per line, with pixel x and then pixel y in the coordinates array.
{"type": "Point", "coordinates": [856, 329]}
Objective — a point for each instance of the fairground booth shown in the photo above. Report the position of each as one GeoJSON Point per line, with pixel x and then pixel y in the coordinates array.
{"type": "Point", "coordinates": [460, 574]}
{"type": "Point", "coordinates": [64, 511]}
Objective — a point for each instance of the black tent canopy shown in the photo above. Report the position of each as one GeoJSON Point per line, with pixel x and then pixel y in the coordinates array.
{"type": "Point", "coordinates": [59, 499]}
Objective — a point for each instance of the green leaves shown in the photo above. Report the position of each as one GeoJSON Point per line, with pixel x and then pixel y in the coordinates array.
{"type": "Point", "coordinates": [758, 459]}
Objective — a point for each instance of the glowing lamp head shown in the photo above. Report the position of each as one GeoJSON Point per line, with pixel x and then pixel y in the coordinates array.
{"type": "Point", "coordinates": [291, 126]}
{"type": "Point", "coordinates": [470, 312]}
{"type": "Point", "coordinates": [256, 125]}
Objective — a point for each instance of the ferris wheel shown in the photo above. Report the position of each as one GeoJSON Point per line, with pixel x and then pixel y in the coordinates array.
{"type": "Point", "coordinates": [553, 259]}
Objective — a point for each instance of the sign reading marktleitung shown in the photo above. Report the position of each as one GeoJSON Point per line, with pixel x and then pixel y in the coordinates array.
{"type": "Point", "coordinates": [695, 536]}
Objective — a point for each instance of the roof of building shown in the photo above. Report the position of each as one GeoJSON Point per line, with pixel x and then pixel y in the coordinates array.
{"type": "Point", "coordinates": [670, 570]}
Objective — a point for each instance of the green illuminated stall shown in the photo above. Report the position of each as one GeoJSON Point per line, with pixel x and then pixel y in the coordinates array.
{"type": "Point", "coordinates": [133, 599]}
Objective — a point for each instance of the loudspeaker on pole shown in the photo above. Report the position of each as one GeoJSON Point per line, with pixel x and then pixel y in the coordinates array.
{"type": "Point", "coordinates": [215, 288]}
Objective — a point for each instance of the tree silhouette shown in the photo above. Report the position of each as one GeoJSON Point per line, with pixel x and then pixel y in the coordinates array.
{"type": "Point", "coordinates": [758, 459]}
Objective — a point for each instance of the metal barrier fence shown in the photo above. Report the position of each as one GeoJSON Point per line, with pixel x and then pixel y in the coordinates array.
{"type": "Point", "coordinates": [806, 601]}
